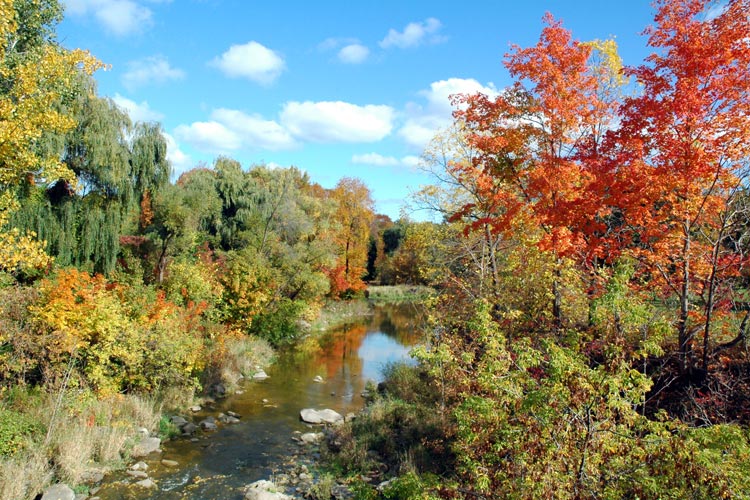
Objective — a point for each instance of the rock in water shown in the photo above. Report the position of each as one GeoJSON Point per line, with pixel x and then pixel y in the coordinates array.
{"type": "Point", "coordinates": [311, 438]}
{"type": "Point", "coordinates": [146, 483]}
{"type": "Point", "coordinates": [327, 416]}
{"type": "Point", "coordinates": [260, 375]}
{"type": "Point", "coordinates": [264, 490]}
{"type": "Point", "coordinates": [59, 492]}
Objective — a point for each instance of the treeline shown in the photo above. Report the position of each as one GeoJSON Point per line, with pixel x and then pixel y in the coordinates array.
{"type": "Point", "coordinates": [590, 338]}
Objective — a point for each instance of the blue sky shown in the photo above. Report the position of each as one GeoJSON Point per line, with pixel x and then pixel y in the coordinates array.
{"type": "Point", "coordinates": [336, 88]}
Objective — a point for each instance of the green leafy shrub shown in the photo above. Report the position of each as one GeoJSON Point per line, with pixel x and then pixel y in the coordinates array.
{"type": "Point", "coordinates": [16, 431]}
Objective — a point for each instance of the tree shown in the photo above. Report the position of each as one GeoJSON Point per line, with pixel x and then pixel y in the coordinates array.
{"type": "Point", "coordinates": [686, 144]}
{"type": "Point", "coordinates": [531, 143]}
{"type": "Point", "coordinates": [36, 77]}
{"type": "Point", "coordinates": [354, 214]}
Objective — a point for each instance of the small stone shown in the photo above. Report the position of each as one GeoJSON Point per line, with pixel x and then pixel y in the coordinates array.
{"type": "Point", "coordinates": [233, 414]}
{"type": "Point", "coordinates": [239, 391]}
{"type": "Point", "coordinates": [264, 401]}
{"type": "Point", "coordinates": [137, 474]}
{"type": "Point", "coordinates": [311, 437]}
{"type": "Point", "coordinates": [208, 424]}
{"type": "Point", "coordinates": [318, 379]}
{"type": "Point", "coordinates": [189, 428]}
{"type": "Point", "coordinates": [178, 420]}
{"type": "Point", "coordinates": [226, 419]}
{"type": "Point", "coordinates": [169, 463]}
{"type": "Point", "coordinates": [195, 408]}
{"type": "Point", "coordinates": [305, 477]}
{"type": "Point", "coordinates": [260, 375]}
{"type": "Point", "coordinates": [139, 466]}
{"type": "Point", "coordinates": [146, 483]}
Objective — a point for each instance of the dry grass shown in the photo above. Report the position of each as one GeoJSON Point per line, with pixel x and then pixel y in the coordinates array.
{"type": "Point", "coordinates": [86, 434]}
{"type": "Point", "coordinates": [23, 476]}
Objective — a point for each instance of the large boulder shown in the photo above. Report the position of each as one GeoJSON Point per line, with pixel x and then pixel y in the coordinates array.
{"type": "Point", "coordinates": [327, 416]}
{"type": "Point", "coordinates": [264, 490]}
{"type": "Point", "coordinates": [59, 492]}
{"type": "Point", "coordinates": [146, 446]}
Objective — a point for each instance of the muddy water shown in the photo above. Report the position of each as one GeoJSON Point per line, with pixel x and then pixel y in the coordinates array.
{"type": "Point", "coordinates": [218, 464]}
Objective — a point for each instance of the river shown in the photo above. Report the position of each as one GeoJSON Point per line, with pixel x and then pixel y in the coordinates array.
{"type": "Point", "coordinates": [218, 464]}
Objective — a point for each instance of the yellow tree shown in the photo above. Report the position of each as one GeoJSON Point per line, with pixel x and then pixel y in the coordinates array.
{"type": "Point", "coordinates": [355, 214]}
{"type": "Point", "coordinates": [36, 76]}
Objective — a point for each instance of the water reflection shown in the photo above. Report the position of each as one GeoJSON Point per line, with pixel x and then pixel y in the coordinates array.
{"type": "Point", "coordinates": [218, 465]}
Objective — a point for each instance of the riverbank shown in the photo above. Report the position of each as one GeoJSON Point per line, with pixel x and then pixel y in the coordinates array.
{"type": "Point", "coordinates": [90, 443]}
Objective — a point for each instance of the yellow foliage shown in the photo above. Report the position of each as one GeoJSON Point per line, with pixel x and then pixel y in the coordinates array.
{"type": "Point", "coordinates": [36, 83]}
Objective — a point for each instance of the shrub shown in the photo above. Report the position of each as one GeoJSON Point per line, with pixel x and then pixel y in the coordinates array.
{"type": "Point", "coordinates": [17, 430]}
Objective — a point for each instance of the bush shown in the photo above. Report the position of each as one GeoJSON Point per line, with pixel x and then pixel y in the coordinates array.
{"type": "Point", "coordinates": [17, 430]}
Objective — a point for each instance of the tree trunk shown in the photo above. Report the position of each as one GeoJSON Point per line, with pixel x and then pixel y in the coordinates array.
{"type": "Point", "coordinates": [682, 332]}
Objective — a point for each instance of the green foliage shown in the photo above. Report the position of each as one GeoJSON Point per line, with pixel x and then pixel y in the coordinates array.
{"type": "Point", "coordinates": [16, 431]}
{"type": "Point", "coordinates": [411, 486]}
{"type": "Point", "coordinates": [536, 420]}
{"type": "Point", "coordinates": [278, 322]}
{"type": "Point", "coordinates": [167, 430]}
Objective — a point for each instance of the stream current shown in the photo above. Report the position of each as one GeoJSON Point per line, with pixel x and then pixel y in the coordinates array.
{"type": "Point", "coordinates": [217, 465]}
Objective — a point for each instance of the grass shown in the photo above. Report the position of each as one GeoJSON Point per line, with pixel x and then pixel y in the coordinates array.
{"type": "Point", "coordinates": [87, 434]}
{"type": "Point", "coordinates": [396, 294]}
{"type": "Point", "coordinates": [339, 312]}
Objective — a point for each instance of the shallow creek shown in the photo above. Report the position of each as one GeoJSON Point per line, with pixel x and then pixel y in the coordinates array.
{"type": "Point", "coordinates": [218, 464]}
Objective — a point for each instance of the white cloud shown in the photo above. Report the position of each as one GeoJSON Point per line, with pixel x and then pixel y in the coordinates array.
{"type": "Point", "coordinates": [120, 17]}
{"type": "Point", "coordinates": [414, 34]}
{"type": "Point", "coordinates": [230, 130]}
{"type": "Point", "coordinates": [252, 61]}
{"type": "Point", "coordinates": [353, 54]}
{"type": "Point", "coordinates": [424, 120]}
{"type": "Point", "coordinates": [209, 136]}
{"type": "Point", "coordinates": [254, 130]}
{"type": "Point", "coordinates": [180, 161]}
{"type": "Point", "coordinates": [336, 121]}
{"type": "Point", "coordinates": [151, 70]}
{"type": "Point", "coordinates": [378, 160]}
{"type": "Point", "coordinates": [138, 112]}
{"type": "Point", "coordinates": [375, 159]}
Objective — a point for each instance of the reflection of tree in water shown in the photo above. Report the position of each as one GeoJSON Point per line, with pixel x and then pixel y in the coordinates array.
{"type": "Point", "coordinates": [404, 322]}
{"type": "Point", "coordinates": [340, 363]}
{"type": "Point", "coordinates": [338, 358]}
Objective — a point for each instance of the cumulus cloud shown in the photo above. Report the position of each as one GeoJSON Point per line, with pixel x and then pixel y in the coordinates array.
{"type": "Point", "coordinates": [151, 70]}
{"type": "Point", "coordinates": [414, 34]}
{"type": "Point", "coordinates": [138, 112]}
{"type": "Point", "coordinates": [254, 130]}
{"type": "Point", "coordinates": [424, 120]}
{"type": "Point", "coordinates": [209, 136]}
{"type": "Point", "coordinates": [353, 54]}
{"type": "Point", "coordinates": [252, 61]}
{"type": "Point", "coordinates": [378, 160]}
{"type": "Point", "coordinates": [336, 121]}
{"type": "Point", "coordinates": [230, 130]}
{"type": "Point", "coordinates": [180, 161]}
{"type": "Point", "coordinates": [119, 17]}
{"type": "Point", "coordinates": [375, 159]}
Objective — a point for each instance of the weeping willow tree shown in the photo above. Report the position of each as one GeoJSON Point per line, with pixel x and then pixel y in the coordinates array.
{"type": "Point", "coordinates": [116, 165]}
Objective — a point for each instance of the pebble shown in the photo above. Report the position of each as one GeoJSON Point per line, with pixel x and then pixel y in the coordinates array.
{"type": "Point", "coordinates": [169, 463]}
